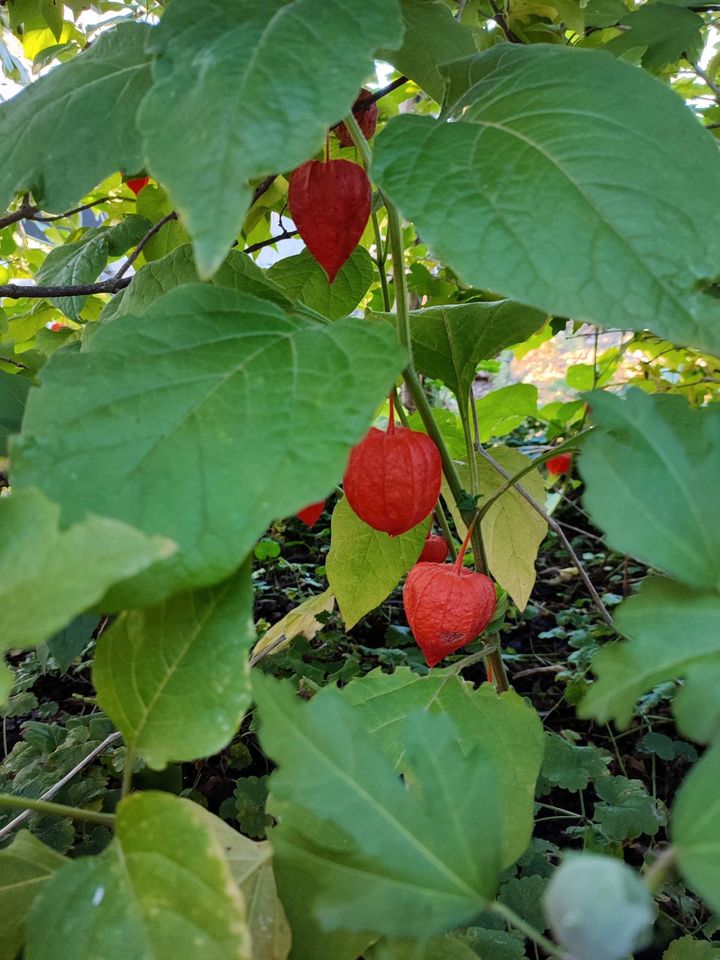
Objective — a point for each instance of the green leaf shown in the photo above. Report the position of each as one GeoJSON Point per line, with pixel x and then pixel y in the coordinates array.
{"type": "Point", "coordinates": [598, 908]}
{"type": "Point", "coordinates": [432, 36]}
{"type": "Point", "coordinates": [52, 14]}
{"type": "Point", "coordinates": [501, 411]}
{"type": "Point", "coordinates": [238, 272]}
{"type": "Point", "coordinates": [69, 107]}
{"type": "Point", "coordinates": [449, 341]}
{"type": "Point", "coordinates": [512, 530]}
{"type": "Point", "coordinates": [186, 391]}
{"type": "Point", "coordinates": [628, 810]}
{"type": "Point", "coordinates": [251, 865]}
{"type": "Point", "coordinates": [688, 949]}
{"type": "Point", "coordinates": [414, 858]}
{"type": "Point", "coordinates": [523, 895]}
{"type": "Point", "coordinates": [621, 255]}
{"type": "Point", "coordinates": [153, 203]}
{"type": "Point", "coordinates": [301, 621]}
{"type": "Point", "coordinates": [570, 766]}
{"type": "Point", "coordinates": [175, 678]}
{"type": "Point", "coordinates": [696, 705]}
{"type": "Point", "coordinates": [365, 565]}
{"type": "Point", "coordinates": [13, 394]}
{"type": "Point", "coordinates": [493, 944]}
{"type": "Point", "coordinates": [696, 828]}
{"type": "Point", "coordinates": [651, 474]}
{"type": "Point", "coordinates": [25, 866]}
{"type": "Point", "coordinates": [506, 727]}
{"type": "Point", "coordinates": [604, 13]}
{"type": "Point", "coordinates": [250, 796]}
{"type": "Point", "coordinates": [665, 30]}
{"type": "Point", "coordinates": [163, 890]}
{"type": "Point", "coordinates": [69, 643]}
{"type": "Point", "coordinates": [302, 278]}
{"type": "Point", "coordinates": [257, 86]}
{"type": "Point", "coordinates": [671, 629]}
{"type": "Point", "coordinates": [443, 949]}
{"type": "Point", "coordinates": [48, 575]}
{"type": "Point", "coordinates": [84, 260]}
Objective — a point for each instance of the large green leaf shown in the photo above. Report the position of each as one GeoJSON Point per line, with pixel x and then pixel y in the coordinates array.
{"type": "Point", "coordinates": [85, 259]}
{"type": "Point", "coordinates": [401, 859]}
{"type": "Point", "coordinates": [25, 866]}
{"type": "Point", "coordinates": [13, 394]}
{"type": "Point", "coordinates": [571, 231]}
{"type": "Point", "coordinates": [364, 565]}
{"type": "Point", "coordinates": [651, 474]}
{"type": "Point", "coordinates": [203, 419]}
{"type": "Point", "coordinates": [506, 727]}
{"type": "Point", "coordinates": [688, 949]}
{"type": "Point", "coordinates": [512, 530]}
{"type": "Point", "coordinates": [85, 110]}
{"type": "Point", "coordinates": [696, 705]}
{"type": "Point", "coordinates": [174, 678]}
{"type": "Point", "coordinates": [302, 278]}
{"type": "Point", "coordinates": [255, 85]}
{"type": "Point", "coordinates": [162, 890]}
{"type": "Point", "coordinates": [251, 865]}
{"type": "Point", "coordinates": [503, 410]}
{"type": "Point", "coordinates": [671, 629]}
{"type": "Point", "coordinates": [449, 341]}
{"type": "Point", "coordinates": [239, 272]}
{"type": "Point", "coordinates": [432, 36]}
{"type": "Point", "coordinates": [48, 575]}
{"type": "Point", "coordinates": [667, 31]}
{"type": "Point", "coordinates": [696, 828]}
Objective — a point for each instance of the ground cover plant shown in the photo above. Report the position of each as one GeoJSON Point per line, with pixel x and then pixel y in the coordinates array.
{"type": "Point", "coordinates": [310, 648]}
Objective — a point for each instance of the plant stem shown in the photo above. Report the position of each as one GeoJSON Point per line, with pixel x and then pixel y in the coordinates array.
{"type": "Point", "coordinates": [399, 281]}
{"type": "Point", "coordinates": [530, 932]}
{"type": "Point", "coordinates": [58, 809]}
{"type": "Point", "coordinates": [128, 772]}
{"type": "Point", "coordinates": [425, 411]}
{"type": "Point", "coordinates": [380, 263]}
{"type": "Point", "coordinates": [445, 527]}
{"type": "Point", "coordinates": [415, 387]}
{"type": "Point", "coordinates": [657, 873]}
{"type": "Point", "coordinates": [57, 787]}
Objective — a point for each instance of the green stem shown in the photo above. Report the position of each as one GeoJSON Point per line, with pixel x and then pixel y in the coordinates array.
{"type": "Point", "coordinates": [399, 281]}
{"type": "Point", "coordinates": [128, 772]}
{"type": "Point", "coordinates": [58, 809]}
{"type": "Point", "coordinates": [445, 527]}
{"type": "Point", "coordinates": [380, 262]}
{"type": "Point", "coordinates": [530, 932]}
{"type": "Point", "coordinates": [414, 385]}
{"type": "Point", "coordinates": [658, 872]}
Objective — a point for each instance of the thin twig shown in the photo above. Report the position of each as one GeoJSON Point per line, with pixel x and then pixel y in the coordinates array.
{"type": "Point", "coordinates": [28, 211]}
{"type": "Point", "coordinates": [706, 79]}
{"type": "Point", "coordinates": [285, 235]}
{"type": "Point", "coordinates": [69, 213]}
{"type": "Point", "coordinates": [19, 291]}
{"type": "Point", "coordinates": [57, 787]}
{"type": "Point", "coordinates": [602, 609]}
{"type": "Point", "coordinates": [155, 228]}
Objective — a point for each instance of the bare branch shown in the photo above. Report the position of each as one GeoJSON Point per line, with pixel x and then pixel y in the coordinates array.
{"type": "Point", "coordinates": [28, 211]}
{"type": "Point", "coordinates": [285, 235]}
{"type": "Point", "coordinates": [19, 291]}
{"type": "Point", "coordinates": [155, 228]}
